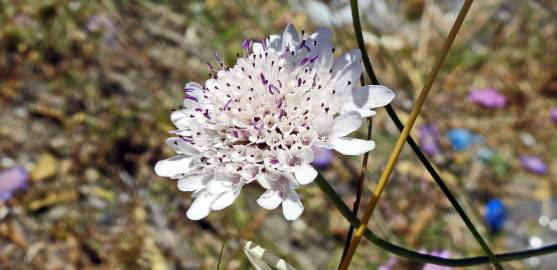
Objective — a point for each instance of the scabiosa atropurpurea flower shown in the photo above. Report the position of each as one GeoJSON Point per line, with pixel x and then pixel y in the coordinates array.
{"type": "Point", "coordinates": [258, 120]}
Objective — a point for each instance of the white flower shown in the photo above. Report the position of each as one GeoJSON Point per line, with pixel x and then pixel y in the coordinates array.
{"type": "Point", "coordinates": [258, 120]}
{"type": "Point", "coordinates": [280, 190]}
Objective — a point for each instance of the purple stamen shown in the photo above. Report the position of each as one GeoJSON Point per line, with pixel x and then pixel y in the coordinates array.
{"type": "Point", "coordinates": [303, 45]}
{"type": "Point", "coordinates": [198, 110]}
{"type": "Point", "coordinates": [211, 68]}
{"type": "Point", "coordinates": [246, 45]}
{"type": "Point", "coordinates": [206, 114]}
{"type": "Point", "coordinates": [273, 89]}
{"type": "Point", "coordinates": [283, 54]}
{"type": "Point", "coordinates": [282, 113]}
{"type": "Point", "coordinates": [299, 82]}
{"type": "Point", "coordinates": [263, 79]}
{"type": "Point", "coordinates": [309, 59]}
{"type": "Point", "coordinates": [191, 98]}
{"type": "Point", "coordinates": [264, 44]}
{"type": "Point", "coordinates": [274, 161]}
{"type": "Point", "coordinates": [279, 103]}
{"type": "Point", "coordinates": [187, 140]}
{"type": "Point", "coordinates": [219, 59]}
{"type": "Point", "coordinates": [227, 104]}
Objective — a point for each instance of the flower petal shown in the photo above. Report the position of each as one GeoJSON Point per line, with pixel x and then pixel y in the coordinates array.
{"type": "Point", "coordinates": [173, 166]}
{"type": "Point", "coordinates": [363, 99]}
{"type": "Point", "coordinates": [222, 181]}
{"type": "Point", "coordinates": [307, 155]}
{"type": "Point", "coordinates": [200, 206]}
{"type": "Point", "coordinates": [270, 200]}
{"type": "Point", "coordinates": [322, 35]}
{"type": "Point", "coordinates": [263, 180]}
{"type": "Point", "coordinates": [305, 174]}
{"type": "Point", "coordinates": [325, 58]}
{"type": "Point", "coordinates": [292, 207]}
{"type": "Point", "coordinates": [348, 77]}
{"type": "Point", "coordinates": [352, 146]}
{"type": "Point", "coordinates": [181, 146]}
{"type": "Point", "coordinates": [275, 42]}
{"type": "Point", "coordinates": [193, 182]}
{"type": "Point", "coordinates": [344, 60]}
{"type": "Point", "coordinates": [290, 38]}
{"type": "Point", "coordinates": [225, 199]}
{"type": "Point", "coordinates": [346, 123]}
{"type": "Point", "coordinates": [181, 119]}
{"type": "Point", "coordinates": [257, 48]}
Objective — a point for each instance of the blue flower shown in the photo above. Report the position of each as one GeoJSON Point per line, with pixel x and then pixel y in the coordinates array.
{"type": "Point", "coordinates": [495, 215]}
{"type": "Point", "coordinates": [462, 138]}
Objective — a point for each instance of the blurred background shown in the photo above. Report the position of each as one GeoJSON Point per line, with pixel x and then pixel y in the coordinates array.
{"type": "Point", "coordinates": [86, 90]}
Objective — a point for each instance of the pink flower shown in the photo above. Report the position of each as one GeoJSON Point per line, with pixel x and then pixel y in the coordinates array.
{"type": "Point", "coordinates": [553, 114]}
{"type": "Point", "coordinates": [11, 180]}
{"type": "Point", "coordinates": [533, 164]}
{"type": "Point", "coordinates": [442, 254]}
{"type": "Point", "coordinates": [487, 98]}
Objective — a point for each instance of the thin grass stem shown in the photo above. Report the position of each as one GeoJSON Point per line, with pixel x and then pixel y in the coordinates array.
{"type": "Point", "coordinates": [421, 156]}
{"type": "Point", "coordinates": [403, 252]}
{"type": "Point", "coordinates": [404, 135]}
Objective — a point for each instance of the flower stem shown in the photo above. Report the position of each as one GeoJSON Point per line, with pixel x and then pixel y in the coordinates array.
{"type": "Point", "coordinates": [359, 189]}
{"type": "Point", "coordinates": [330, 193]}
{"type": "Point", "coordinates": [221, 252]}
{"type": "Point", "coordinates": [404, 134]}
{"type": "Point", "coordinates": [427, 164]}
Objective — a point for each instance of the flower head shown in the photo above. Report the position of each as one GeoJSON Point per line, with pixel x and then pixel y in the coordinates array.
{"type": "Point", "coordinates": [442, 254]}
{"type": "Point", "coordinates": [495, 214]}
{"type": "Point", "coordinates": [488, 98]}
{"type": "Point", "coordinates": [11, 180]}
{"type": "Point", "coordinates": [533, 164]}
{"type": "Point", "coordinates": [553, 115]}
{"type": "Point", "coordinates": [429, 139]}
{"type": "Point", "coordinates": [461, 139]}
{"type": "Point", "coordinates": [258, 120]}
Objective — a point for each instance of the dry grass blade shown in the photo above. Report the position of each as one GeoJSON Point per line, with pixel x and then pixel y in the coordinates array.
{"type": "Point", "coordinates": [404, 134]}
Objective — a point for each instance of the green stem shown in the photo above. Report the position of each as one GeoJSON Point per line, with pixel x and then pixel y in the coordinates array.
{"type": "Point", "coordinates": [392, 114]}
{"type": "Point", "coordinates": [323, 184]}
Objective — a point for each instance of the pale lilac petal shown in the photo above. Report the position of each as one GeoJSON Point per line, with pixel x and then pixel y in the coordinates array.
{"type": "Point", "coordinates": [226, 199]}
{"type": "Point", "coordinates": [366, 98]}
{"type": "Point", "coordinates": [200, 207]}
{"type": "Point", "coordinates": [305, 174]}
{"type": "Point", "coordinates": [323, 157]}
{"type": "Point", "coordinates": [352, 146]}
{"type": "Point", "coordinates": [174, 166]}
{"type": "Point", "coordinates": [270, 200]}
{"type": "Point", "coordinates": [343, 61]}
{"type": "Point", "coordinates": [290, 38]}
{"type": "Point", "coordinates": [292, 207]}
{"type": "Point", "coordinates": [182, 146]}
{"type": "Point", "coordinates": [346, 123]}
{"type": "Point", "coordinates": [348, 77]}
{"type": "Point", "coordinates": [193, 182]}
